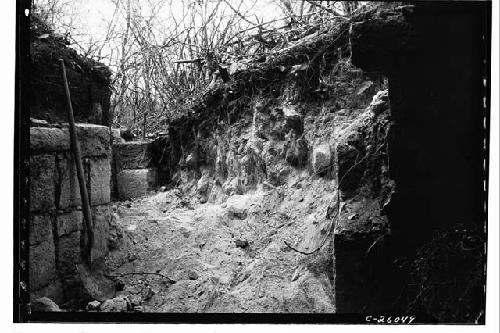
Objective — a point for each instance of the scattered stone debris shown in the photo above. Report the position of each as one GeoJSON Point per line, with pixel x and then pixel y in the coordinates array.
{"type": "Point", "coordinates": [192, 275]}
{"type": "Point", "coordinates": [117, 304]}
{"type": "Point", "coordinates": [93, 306]}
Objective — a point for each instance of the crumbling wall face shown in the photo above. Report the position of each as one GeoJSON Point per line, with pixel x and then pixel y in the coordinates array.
{"type": "Point", "coordinates": [56, 219]}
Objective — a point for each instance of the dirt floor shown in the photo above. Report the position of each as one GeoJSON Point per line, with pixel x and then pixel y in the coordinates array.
{"type": "Point", "coordinates": [227, 257]}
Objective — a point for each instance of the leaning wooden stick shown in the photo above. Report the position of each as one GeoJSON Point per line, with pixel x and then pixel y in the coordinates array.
{"type": "Point", "coordinates": [75, 148]}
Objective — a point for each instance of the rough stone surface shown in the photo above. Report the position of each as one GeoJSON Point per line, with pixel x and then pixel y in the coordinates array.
{"type": "Point", "coordinates": [70, 188]}
{"type": "Point", "coordinates": [203, 184]}
{"type": "Point", "coordinates": [42, 264]}
{"type": "Point", "coordinates": [135, 183]}
{"type": "Point", "coordinates": [93, 306]}
{"type": "Point", "coordinates": [40, 229]}
{"type": "Point", "coordinates": [233, 186]}
{"type": "Point", "coordinates": [100, 179]}
{"type": "Point", "coordinates": [42, 182]}
{"type": "Point", "coordinates": [69, 223]}
{"type": "Point", "coordinates": [192, 275]}
{"type": "Point", "coordinates": [93, 286]}
{"type": "Point", "coordinates": [237, 206]}
{"type": "Point", "coordinates": [101, 217]}
{"type": "Point", "coordinates": [68, 253]}
{"type": "Point", "coordinates": [95, 140]}
{"type": "Point", "coordinates": [380, 102]}
{"type": "Point", "coordinates": [54, 291]}
{"type": "Point", "coordinates": [132, 155]}
{"type": "Point", "coordinates": [117, 304]}
{"type": "Point", "coordinates": [321, 158]}
{"type": "Point", "coordinates": [48, 139]}
{"type": "Point", "coordinates": [44, 304]}
{"type": "Point", "coordinates": [115, 235]}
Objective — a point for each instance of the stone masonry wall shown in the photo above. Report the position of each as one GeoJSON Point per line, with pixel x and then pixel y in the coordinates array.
{"type": "Point", "coordinates": [132, 165]}
{"type": "Point", "coordinates": [56, 219]}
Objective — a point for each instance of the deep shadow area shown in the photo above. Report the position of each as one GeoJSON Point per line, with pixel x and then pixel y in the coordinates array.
{"type": "Point", "coordinates": [436, 58]}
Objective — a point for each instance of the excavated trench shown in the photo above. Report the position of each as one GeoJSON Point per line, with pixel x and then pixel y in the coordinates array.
{"type": "Point", "coordinates": [305, 197]}
{"type": "Point", "coordinates": [227, 258]}
{"type": "Point", "coordinates": [237, 237]}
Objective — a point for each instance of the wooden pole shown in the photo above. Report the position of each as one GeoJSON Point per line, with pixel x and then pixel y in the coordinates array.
{"type": "Point", "coordinates": [75, 148]}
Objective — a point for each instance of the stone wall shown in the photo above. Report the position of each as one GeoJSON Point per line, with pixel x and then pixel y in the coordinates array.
{"type": "Point", "coordinates": [56, 219]}
{"type": "Point", "coordinates": [133, 173]}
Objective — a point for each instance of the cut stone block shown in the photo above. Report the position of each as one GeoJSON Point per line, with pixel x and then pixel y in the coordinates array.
{"type": "Point", "coordinates": [48, 139]}
{"type": "Point", "coordinates": [132, 155]}
{"type": "Point", "coordinates": [135, 183]}
{"type": "Point", "coordinates": [40, 229]}
{"type": "Point", "coordinates": [100, 180]}
{"type": "Point", "coordinates": [68, 253]}
{"type": "Point", "coordinates": [69, 223]}
{"type": "Point", "coordinates": [101, 216]}
{"type": "Point", "coordinates": [42, 182]}
{"type": "Point", "coordinates": [95, 140]}
{"type": "Point", "coordinates": [42, 263]}
{"type": "Point", "coordinates": [70, 189]}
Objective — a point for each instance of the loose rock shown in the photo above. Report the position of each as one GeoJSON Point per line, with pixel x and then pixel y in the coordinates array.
{"type": "Point", "coordinates": [93, 306]}
{"type": "Point", "coordinates": [192, 275]}
{"type": "Point", "coordinates": [44, 304]}
{"type": "Point", "coordinates": [321, 158]}
{"type": "Point", "coordinates": [241, 243]}
{"type": "Point", "coordinates": [117, 304]}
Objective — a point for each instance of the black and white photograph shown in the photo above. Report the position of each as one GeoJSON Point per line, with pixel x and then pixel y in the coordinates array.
{"type": "Point", "coordinates": [254, 162]}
